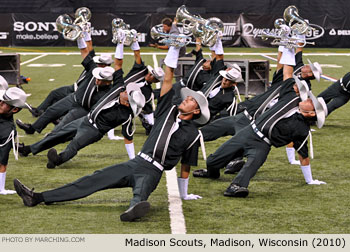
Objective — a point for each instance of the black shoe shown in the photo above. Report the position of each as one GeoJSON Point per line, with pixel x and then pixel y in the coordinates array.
{"type": "Point", "coordinates": [53, 159]}
{"type": "Point", "coordinates": [28, 128]}
{"type": "Point", "coordinates": [35, 112]}
{"type": "Point", "coordinates": [201, 173]}
{"type": "Point", "coordinates": [135, 212]}
{"type": "Point", "coordinates": [234, 166]}
{"type": "Point", "coordinates": [236, 191]}
{"type": "Point", "coordinates": [25, 193]}
{"type": "Point", "coordinates": [24, 150]}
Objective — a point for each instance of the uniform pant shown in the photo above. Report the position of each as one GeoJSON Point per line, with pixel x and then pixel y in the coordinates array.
{"type": "Point", "coordinates": [86, 134]}
{"type": "Point", "coordinates": [56, 137]}
{"type": "Point", "coordinates": [245, 143]}
{"type": "Point", "coordinates": [334, 96]}
{"type": "Point", "coordinates": [6, 128]}
{"type": "Point", "coordinates": [54, 112]}
{"type": "Point", "coordinates": [226, 126]}
{"type": "Point", "coordinates": [75, 113]}
{"type": "Point", "coordinates": [80, 131]}
{"type": "Point", "coordinates": [54, 96]}
{"type": "Point", "coordinates": [137, 173]}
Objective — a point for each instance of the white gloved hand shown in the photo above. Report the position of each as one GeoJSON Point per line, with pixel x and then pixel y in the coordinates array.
{"type": "Point", "coordinates": [119, 51]}
{"type": "Point", "coordinates": [295, 162]}
{"type": "Point", "coordinates": [81, 43]}
{"type": "Point", "coordinates": [5, 192]}
{"type": "Point", "coordinates": [285, 30]}
{"type": "Point", "coordinates": [316, 182]}
{"type": "Point", "coordinates": [135, 46]}
{"type": "Point", "coordinates": [172, 57]}
{"type": "Point", "coordinates": [121, 36]}
{"type": "Point", "coordinates": [183, 186]}
{"type": "Point", "coordinates": [87, 31]}
{"type": "Point", "coordinates": [191, 197]}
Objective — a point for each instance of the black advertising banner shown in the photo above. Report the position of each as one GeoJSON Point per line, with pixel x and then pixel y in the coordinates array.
{"type": "Point", "coordinates": [35, 30]}
{"type": "Point", "coordinates": [240, 30]}
{"type": "Point", "coordinates": [5, 30]}
{"type": "Point", "coordinates": [252, 26]}
{"type": "Point", "coordinates": [336, 31]}
{"type": "Point", "coordinates": [327, 32]}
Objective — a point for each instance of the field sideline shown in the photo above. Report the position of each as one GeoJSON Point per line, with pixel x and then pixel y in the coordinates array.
{"type": "Point", "coordinates": [279, 200]}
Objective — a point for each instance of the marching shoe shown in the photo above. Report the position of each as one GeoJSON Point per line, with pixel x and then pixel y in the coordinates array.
{"type": "Point", "coordinates": [35, 112]}
{"type": "Point", "coordinates": [236, 191]}
{"type": "Point", "coordinates": [201, 173]}
{"type": "Point", "coordinates": [135, 212]}
{"type": "Point", "coordinates": [53, 159]}
{"type": "Point", "coordinates": [25, 193]}
{"type": "Point", "coordinates": [234, 166]}
{"type": "Point", "coordinates": [28, 128]}
{"type": "Point", "coordinates": [24, 150]}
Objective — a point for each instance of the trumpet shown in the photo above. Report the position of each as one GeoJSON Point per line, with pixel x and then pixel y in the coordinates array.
{"type": "Point", "coordinates": [66, 26]}
{"type": "Point", "coordinates": [72, 30]}
{"type": "Point", "coordinates": [282, 38]}
{"type": "Point", "coordinates": [122, 33]}
{"type": "Point", "coordinates": [207, 29]}
{"type": "Point", "coordinates": [180, 40]}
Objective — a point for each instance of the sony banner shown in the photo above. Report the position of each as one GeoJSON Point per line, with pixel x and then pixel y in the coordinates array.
{"type": "Point", "coordinates": [40, 30]}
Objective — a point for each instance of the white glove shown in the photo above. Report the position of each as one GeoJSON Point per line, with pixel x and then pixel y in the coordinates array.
{"type": "Point", "coordinates": [295, 162]}
{"type": "Point", "coordinates": [87, 31]}
{"type": "Point", "coordinates": [288, 57]}
{"type": "Point", "coordinates": [121, 36]}
{"type": "Point", "coordinates": [5, 192]}
{"type": "Point", "coordinates": [285, 30]}
{"type": "Point", "coordinates": [172, 57]}
{"type": "Point", "coordinates": [135, 46]}
{"type": "Point", "coordinates": [183, 186]}
{"type": "Point", "coordinates": [316, 182]}
{"type": "Point", "coordinates": [119, 51]}
{"type": "Point", "coordinates": [81, 43]}
{"type": "Point", "coordinates": [191, 197]}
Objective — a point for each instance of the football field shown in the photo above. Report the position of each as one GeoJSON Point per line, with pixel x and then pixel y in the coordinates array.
{"type": "Point", "coordinates": [280, 202]}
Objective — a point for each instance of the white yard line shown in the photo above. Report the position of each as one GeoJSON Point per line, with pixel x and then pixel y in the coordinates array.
{"type": "Point", "coordinates": [155, 61]}
{"type": "Point", "coordinates": [177, 219]}
{"type": "Point", "coordinates": [28, 61]}
{"type": "Point", "coordinates": [155, 64]}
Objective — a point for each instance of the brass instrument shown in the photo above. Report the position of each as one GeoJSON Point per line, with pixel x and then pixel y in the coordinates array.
{"type": "Point", "coordinates": [290, 15]}
{"type": "Point", "coordinates": [82, 17]}
{"type": "Point", "coordinates": [122, 33]}
{"type": "Point", "coordinates": [206, 29]}
{"type": "Point", "coordinates": [180, 40]}
{"type": "Point", "coordinates": [289, 29]}
{"type": "Point", "coordinates": [70, 29]}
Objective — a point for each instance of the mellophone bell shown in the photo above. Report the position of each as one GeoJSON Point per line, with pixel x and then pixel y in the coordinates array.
{"type": "Point", "coordinates": [206, 29]}
{"type": "Point", "coordinates": [72, 30]}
